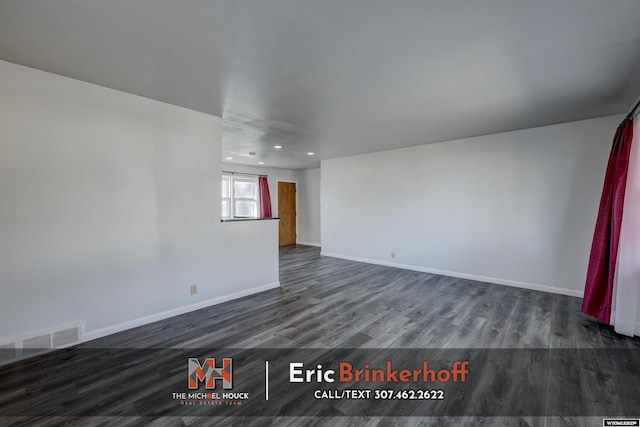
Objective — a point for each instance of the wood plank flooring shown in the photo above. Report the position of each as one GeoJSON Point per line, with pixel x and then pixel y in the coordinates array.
{"type": "Point", "coordinates": [326, 303]}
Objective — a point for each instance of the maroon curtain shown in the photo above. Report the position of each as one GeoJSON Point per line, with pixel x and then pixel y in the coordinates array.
{"type": "Point", "coordinates": [598, 290]}
{"type": "Point", "coordinates": [265, 197]}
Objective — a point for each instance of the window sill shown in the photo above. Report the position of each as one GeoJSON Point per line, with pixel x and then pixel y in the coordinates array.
{"type": "Point", "coordinates": [248, 219]}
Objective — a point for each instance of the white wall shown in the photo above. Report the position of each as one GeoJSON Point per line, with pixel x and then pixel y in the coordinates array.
{"type": "Point", "coordinates": [515, 208]}
{"type": "Point", "coordinates": [309, 206]}
{"type": "Point", "coordinates": [110, 209]}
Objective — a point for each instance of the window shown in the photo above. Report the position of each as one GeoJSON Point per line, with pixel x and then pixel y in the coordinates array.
{"type": "Point", "coordinates": [239, 196]}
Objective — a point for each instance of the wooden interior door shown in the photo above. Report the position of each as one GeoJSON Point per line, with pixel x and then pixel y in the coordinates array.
{"type": "Point", "coordinates": [287, 213]}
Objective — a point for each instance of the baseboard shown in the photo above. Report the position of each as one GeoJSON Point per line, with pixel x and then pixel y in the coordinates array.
{"type": "Point", "coordinates": [103, 332]}
{"type": "Point", "coordinates": [317, 245]}
{"type": "Point", "coordinates": [497, 281]}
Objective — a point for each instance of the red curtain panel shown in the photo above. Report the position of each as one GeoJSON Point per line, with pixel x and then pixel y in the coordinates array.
{"type": "Point", "coordinates": [265, 197]}
{"type": "Point", "coordinates": [598, 290]}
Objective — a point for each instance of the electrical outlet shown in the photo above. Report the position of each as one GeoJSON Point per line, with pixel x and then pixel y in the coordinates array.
{"type": "Point", "coordinates": [194, 289]}
{"type": "Point", "coordinates": [393, 255]}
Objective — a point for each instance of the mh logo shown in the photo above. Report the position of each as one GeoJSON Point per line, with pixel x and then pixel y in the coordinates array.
{"type": "Point", "coordinates": [209, 373]}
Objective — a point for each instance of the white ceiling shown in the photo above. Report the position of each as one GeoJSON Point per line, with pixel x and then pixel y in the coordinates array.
{"type": "Point", "coordinates": [343, 77]}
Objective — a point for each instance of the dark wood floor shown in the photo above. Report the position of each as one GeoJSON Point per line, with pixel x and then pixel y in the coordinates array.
{"type": "Point", "coordinates": [327, 302]}
{"type": "Point", "coordinates": [332, 303]}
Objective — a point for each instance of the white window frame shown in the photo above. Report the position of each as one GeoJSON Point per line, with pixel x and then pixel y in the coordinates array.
{"type": "Point", "coordinates": [232, 178]}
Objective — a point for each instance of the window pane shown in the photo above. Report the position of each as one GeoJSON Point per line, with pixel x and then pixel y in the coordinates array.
{"type": "Point", "coordinates": [225, 208]}
{"type": "Point", "coordinates": [246, 208]}
{"type": "Point", "coordinates": [225, 187]}
{"type": "Point", "coordinates": [245, 190]}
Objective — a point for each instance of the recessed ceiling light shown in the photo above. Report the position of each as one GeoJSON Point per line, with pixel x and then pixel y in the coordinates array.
{"type": "Point", "coordinates": [277, 146]}
{"type": "Point", "coordinates": [229, 158]}
{"type": "Point", "coordinates": [310, 153]}
{"type": "Point", "coordinates": [261, 163]}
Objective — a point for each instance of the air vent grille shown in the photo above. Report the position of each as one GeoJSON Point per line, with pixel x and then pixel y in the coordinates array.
{"type": "Point", "coordinates": [40, 342]}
